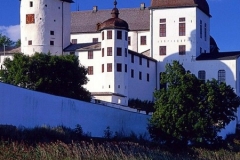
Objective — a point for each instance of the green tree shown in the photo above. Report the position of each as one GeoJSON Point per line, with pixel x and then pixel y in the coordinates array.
{"type": "Point", "coordinates": [4, 40]}
{"type": "Point", "coordinates": [18, 43]}
{"type": "Point", "coordinates": [190, 110]}
{"type": "Point", "coordinates": [58, 75]}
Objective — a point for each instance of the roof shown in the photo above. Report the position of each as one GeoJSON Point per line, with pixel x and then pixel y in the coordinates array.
{"type": "Point", "coordinates": [69, 1]}
{"type": "Point", "coordinates": [10, 50]}
{"type": "Point", "coordinates": [114, 22]}
{"type": "Point", "coordinates": [219, 56]}
{"type": "Point", "coordinates": [106, 94]}
{"type": "Point", "coordinates": [141, 55]}
{"type": "Point", "coordinates": [201, 4]}
{"type": "Point", "coordinates": [83, 47]}
{"type": "Point", "coordinates": [86, 21]}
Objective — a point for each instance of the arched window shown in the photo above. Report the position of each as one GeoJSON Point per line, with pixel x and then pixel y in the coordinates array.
{"type": "Point", "coordinates": [221, 76]}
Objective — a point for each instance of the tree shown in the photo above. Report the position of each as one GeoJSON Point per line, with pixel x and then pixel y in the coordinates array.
{"type": "Point", "coordinates": [4, 40]}
{"type": "Point", "coordinates": [190, 110]}
{"type": "Point", "coordinates": [18, 43]}
{"type": "Point", "coordinates": [58, 75]}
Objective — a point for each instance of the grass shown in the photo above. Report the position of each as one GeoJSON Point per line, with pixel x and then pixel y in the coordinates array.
{"type": "Point", "coordinates": [45, 143]}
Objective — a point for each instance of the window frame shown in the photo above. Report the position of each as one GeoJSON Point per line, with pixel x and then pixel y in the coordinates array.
{"type": "Point", "coordinates": [182, 26]}
{"type": "Point", "coordinates": [109, 51]}
{"type": "Point", "coordinates": [90, 70]}
{"type": "Point", "coordinates": [182, 49]}
{"type": "Point", "coordinates": [143, 40]}
{"type": "Point", "coordinates": [109, 34]}
{"type": "Point", "coordinates": [109, 67]}
{"type": "Point", "coordinates": [119, 34]}
{"type": "Point", "coordinates": [162, 28]}
{"type": "Point", "coordinates": [162, 50]}
{"type": "Point", "coordinates": [90, 54]}
{"type": "Point", "coordinates": [221, 76]}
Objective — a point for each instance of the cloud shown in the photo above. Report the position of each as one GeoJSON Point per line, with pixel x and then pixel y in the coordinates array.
{"type": "Point", "coordinates": [13, 32]}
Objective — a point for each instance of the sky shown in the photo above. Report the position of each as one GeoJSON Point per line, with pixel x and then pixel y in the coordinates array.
{"type": "Point", "coordinates": [225, 20]}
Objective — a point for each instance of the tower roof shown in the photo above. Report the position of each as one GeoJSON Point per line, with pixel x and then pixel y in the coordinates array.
{"type": "Point", "coordinates": [114, 22]}
{"type": "Point", "coordinates": [201, 4]}
{"type": "Point", "coordinates": [69, 1]}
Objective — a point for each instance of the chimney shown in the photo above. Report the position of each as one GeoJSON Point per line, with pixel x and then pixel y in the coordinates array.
{"type": "Point", "coordinates": [142, 6]}
{"type": "Point", "coordinates": [95, 9]}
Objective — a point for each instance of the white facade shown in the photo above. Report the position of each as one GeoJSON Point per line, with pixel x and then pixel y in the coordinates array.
{"type": "Point", "coordinates": [44, 26]}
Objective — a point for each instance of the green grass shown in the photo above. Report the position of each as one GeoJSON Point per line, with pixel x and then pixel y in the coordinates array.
{"type": "Point", "coordinates": [61, 143]}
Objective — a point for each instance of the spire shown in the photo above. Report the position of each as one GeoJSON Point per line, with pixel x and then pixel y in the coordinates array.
{"type": "Point", "coordinates": [115, 4]}
{"type": "Point", "coordinates": [115, 11]}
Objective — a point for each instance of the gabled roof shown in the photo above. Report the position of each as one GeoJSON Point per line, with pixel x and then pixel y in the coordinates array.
{"type": "Point", "coordinates": [10, 50]}
{"type": "Point", "coordinates": [86, 21]}
{"type": "Point", "coordinates": [141, 55]}
{"type": "Point", "coordinates": [201, 4]}
{"type": "Point", "coordinates": [219, 56]}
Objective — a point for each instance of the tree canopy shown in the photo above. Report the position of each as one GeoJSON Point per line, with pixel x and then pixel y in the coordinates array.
{"type": "Point", "coordinates": [190, 110]}
{"type": "Point", "coordinates": [4, 40]}
{"type": "Point", "coordinates": [58, 75]}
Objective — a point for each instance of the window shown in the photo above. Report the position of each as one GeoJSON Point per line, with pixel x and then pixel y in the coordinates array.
{"type": "Point", "coordinates": [72, 53]}
{"type": "Point", "coordinates": [51, 43]}
{"type": "Point", "coordinates": [200, 50]}
{"type": "Point", "coordinates": [140, 75]}
{"type": "Point", "coordinates": [126, 68]}
{"type": "Point", "coordinates": [182, 49]}
{"type": "Point", "coordinates": [162, 50]}
{"type": "Point", "coordinates": [148, 63]}
{"type": "Point", "coordinates": [102, 52]}
{"type": "Point", "coordinates": [31, 4]}
{"type": "Point", "coordinates": [205, 32]}
{"type": "Point", "coordinates": [119, 34]}
{"type": "Point", "coordinates": [125, 52]}
{"type": "Point", "coordinates": [162, 28]}
{"type": "Point", "coordinates": [102, 68]}
{"type": "Point", "coordinates": [200, 28]}
{"type": "Point", "coordinates": [126, 36]}
{"type": "Point", "coordinates": [119, 51]}
{"type": "Point", "coordinates": [90, 54]}
{"type": "Point", "coordinates": [182, 27]}
{"type": "Point", "coordinates": [148, 77]}
{"type": "Point", "coordinates": [102, 35]}
{"type": "Point", "coordinates": [90, 70]}
{"type": "Point", "coordinates": [132, 73]}
{"type": "Point", "coordinates": [221, 76]}
{"type": "Point", "coordinates": [95, 40]}
{"type": "Point", "coordinates": [30, 18]}
{"type": "Point", "coordinates": [202, 75]}
{"type": "Point", "coordinates": [109, 34]}
{"type": "Point", "coordinates": [109, 51]}
{"type": "Point", "coordinates": [51, 32]}
{"type": "Point", "coordinates": [140, 60]}
{"type": "Point", "coordinates": [30, 42]}
{"type": "Point", "coordinates": [74, 41]}
{"type": "Point", "coordinates": [129, 41]}
{"type": "Point", "coordinates": [143, 40]}
{"type": "Point", "coordinates": [119, 67]}
{"type": "Point", "coordinates": [109, 67]}
{"type": "Point", "coordinates": [132, 58]}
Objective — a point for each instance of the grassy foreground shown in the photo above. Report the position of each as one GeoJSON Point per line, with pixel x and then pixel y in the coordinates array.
{"type": "Point", "coordinates": [105, 151]}
{"type": "Point", "coordinates": [61, 143]}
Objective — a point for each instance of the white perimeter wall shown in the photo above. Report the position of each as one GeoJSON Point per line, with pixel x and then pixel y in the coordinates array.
{"type": "Point", "coordinates": [22, 107]}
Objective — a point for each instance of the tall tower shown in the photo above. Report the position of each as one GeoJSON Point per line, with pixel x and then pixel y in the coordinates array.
{"type": "Point", "coordinates": [45, 26]}
{"type": "Point", "coordinates": [114, 45]}
{"type": "Point", "coordinates": [180, 31]}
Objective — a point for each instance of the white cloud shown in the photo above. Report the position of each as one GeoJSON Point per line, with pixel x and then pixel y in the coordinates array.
{"type": "Point", "coordinates": [13, 32]}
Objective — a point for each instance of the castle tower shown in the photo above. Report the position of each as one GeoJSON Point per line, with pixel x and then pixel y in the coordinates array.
{"type": "Point", "coordinates": [45, 26]}
{"type": "Point", "coordinates": [180, 30]}
{"type": "Point", "coordinates": [114, 32]}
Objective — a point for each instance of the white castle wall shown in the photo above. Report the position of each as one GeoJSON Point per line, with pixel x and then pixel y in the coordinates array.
{"type": "Point", "coordinates": [30, 109]}
{"type": "Point", "coordinates": [49, 15]}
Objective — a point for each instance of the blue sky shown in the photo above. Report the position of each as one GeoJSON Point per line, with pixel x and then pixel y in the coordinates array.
{"type": "Point", "coordinates": [225, 21]}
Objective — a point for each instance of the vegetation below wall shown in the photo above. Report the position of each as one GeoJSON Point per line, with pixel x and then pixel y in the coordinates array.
{"type": "Point", "coordinates": [65, 143]}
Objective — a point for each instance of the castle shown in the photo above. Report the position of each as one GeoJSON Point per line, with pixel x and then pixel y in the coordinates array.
{"type": "Point", "coordinates": [125, 50]}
